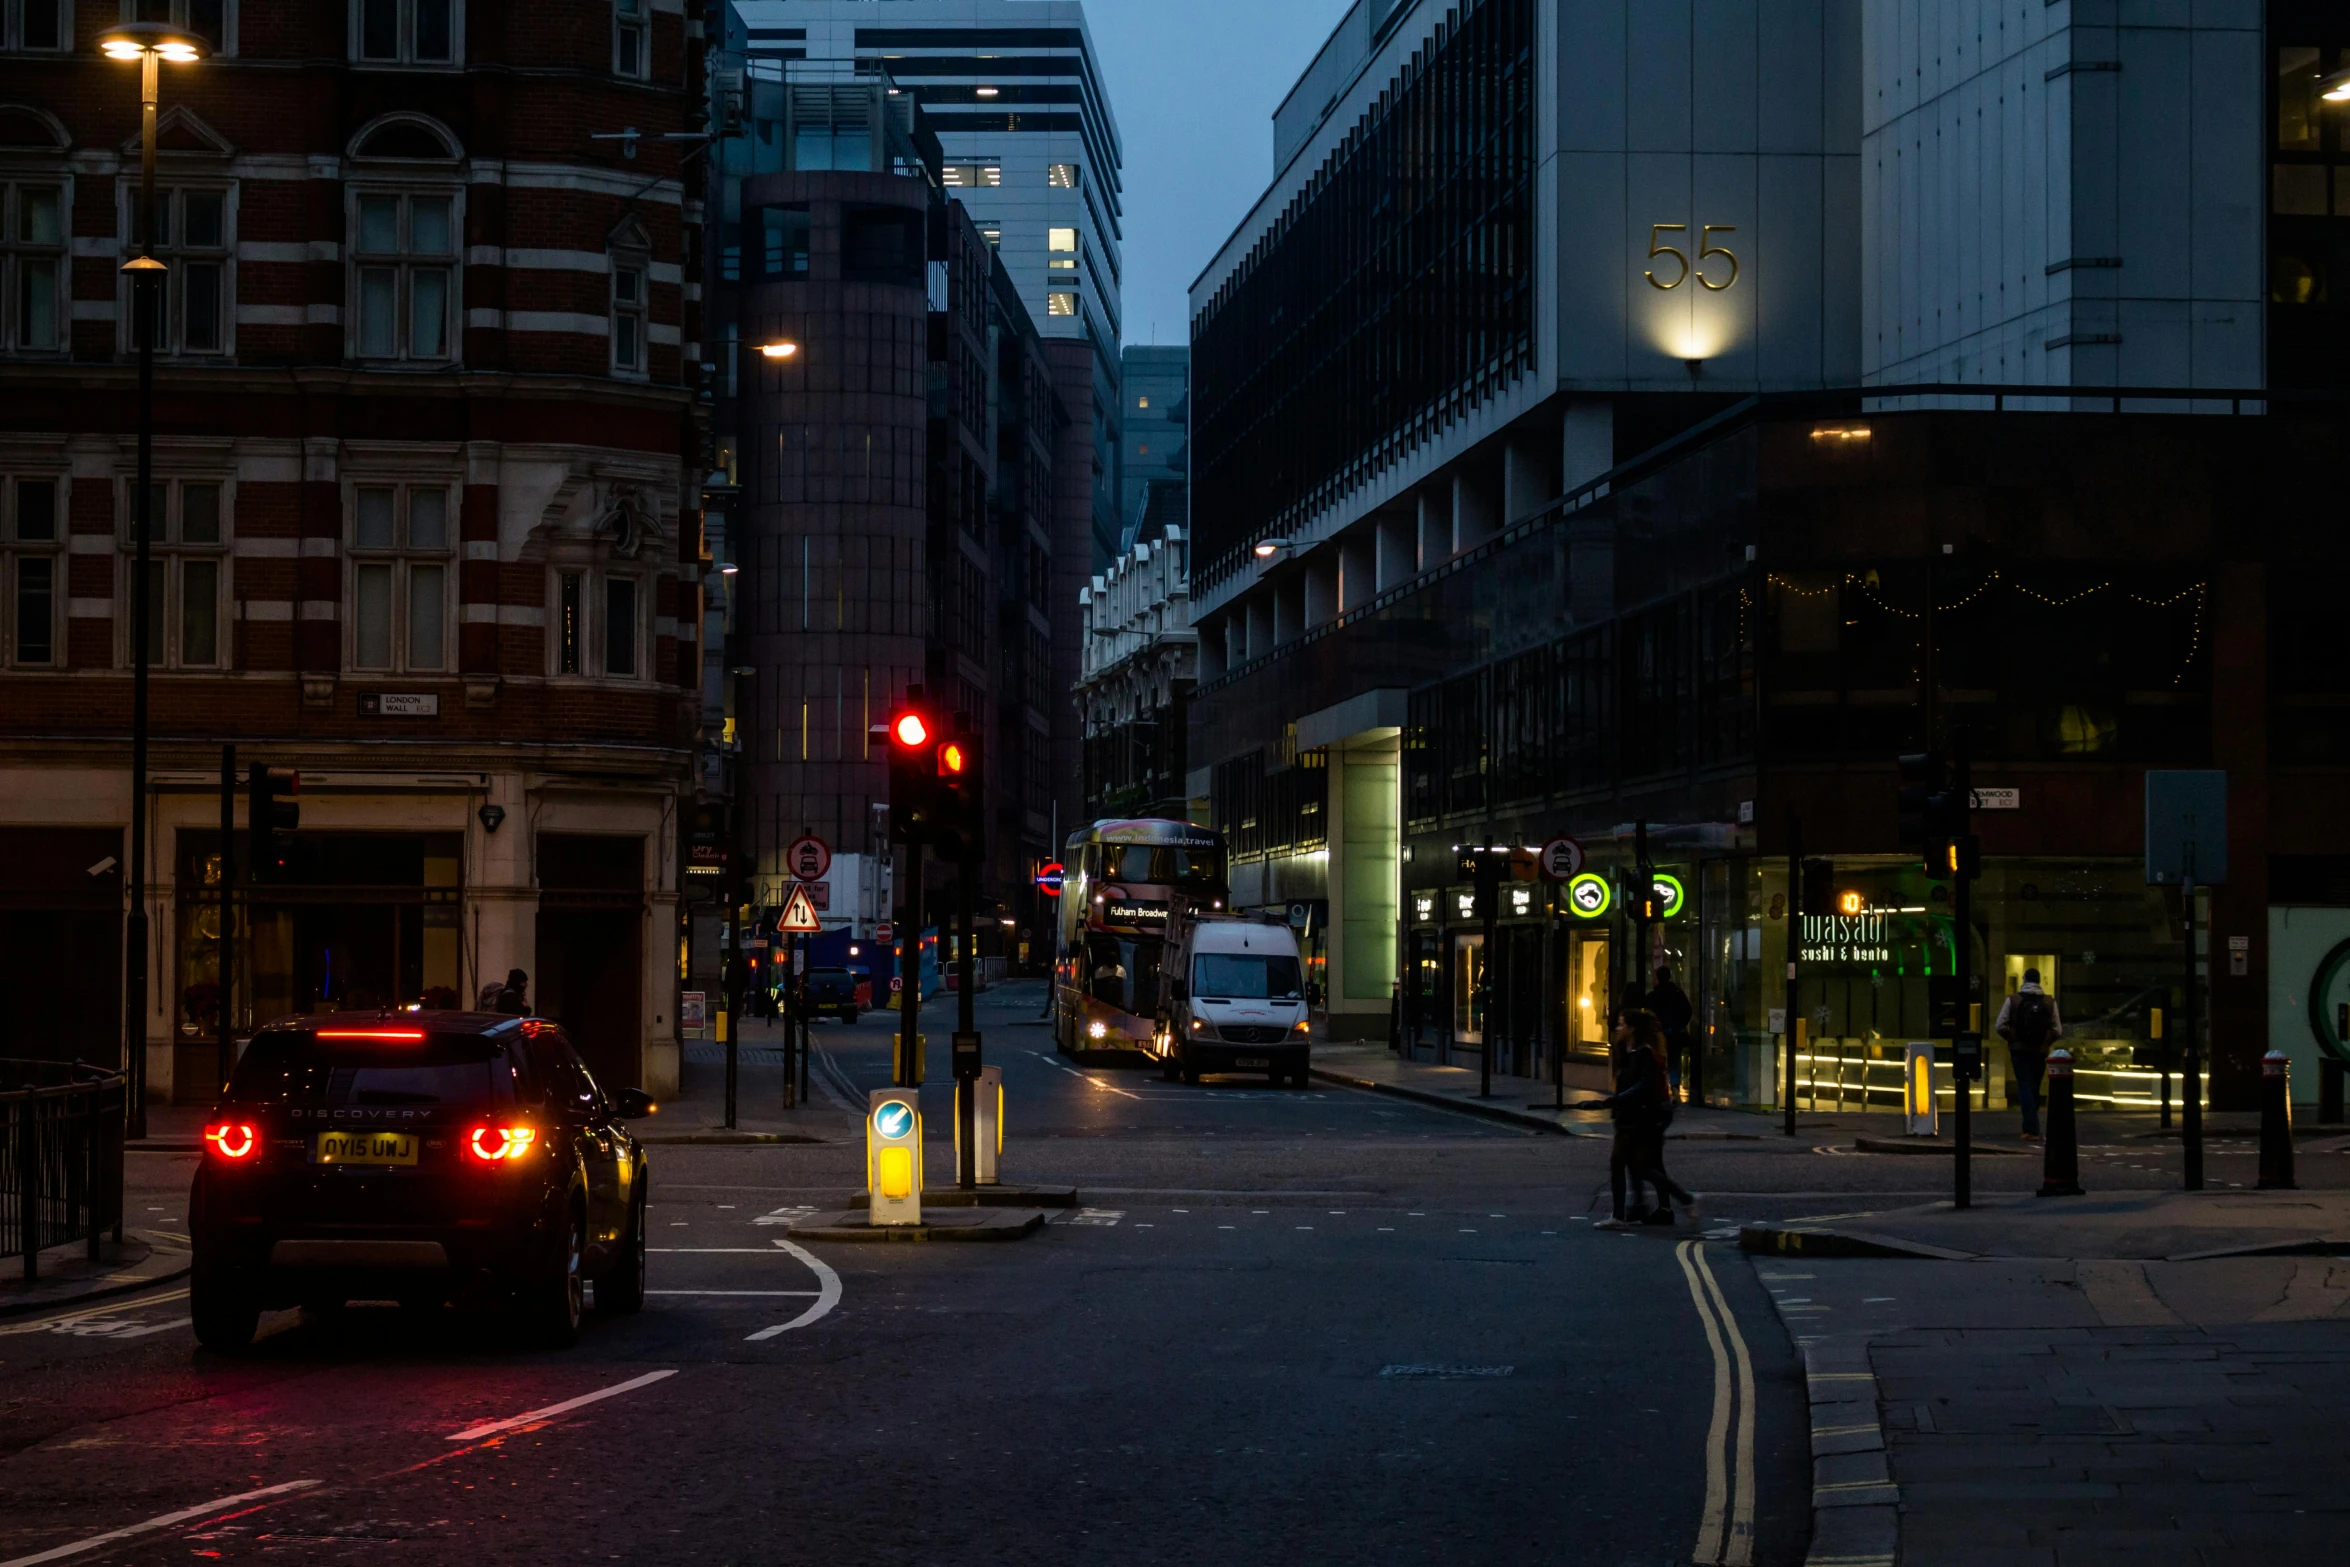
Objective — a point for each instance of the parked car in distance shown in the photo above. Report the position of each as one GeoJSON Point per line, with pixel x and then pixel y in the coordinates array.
{"type": "Point", "coordinates": [834, 992]}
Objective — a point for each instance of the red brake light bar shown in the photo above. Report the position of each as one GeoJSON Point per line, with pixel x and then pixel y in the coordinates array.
{"type": "Point", "coordinates": [413, 1036]}
{"type": "Point", "coordinates": [233, 1140]}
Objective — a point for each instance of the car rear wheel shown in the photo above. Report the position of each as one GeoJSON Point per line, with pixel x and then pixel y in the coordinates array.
{"type": "Point", "coordinates": [225, 1308]}
{"type": "Point", "coordinates": [622, 1288]}
{"type": "Point", "coordinates": [553, 1301]}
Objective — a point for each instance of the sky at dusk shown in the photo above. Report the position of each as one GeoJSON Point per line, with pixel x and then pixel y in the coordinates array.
{"type": "Point", "coordinates": [1194, 84]}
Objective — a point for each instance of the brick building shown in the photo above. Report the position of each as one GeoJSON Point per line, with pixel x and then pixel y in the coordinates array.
{"type": "Point", "coordinates": [424, 428]}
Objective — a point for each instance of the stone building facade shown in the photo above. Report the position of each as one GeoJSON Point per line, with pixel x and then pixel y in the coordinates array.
{"type": "Point", "coordinates": [423, 430]}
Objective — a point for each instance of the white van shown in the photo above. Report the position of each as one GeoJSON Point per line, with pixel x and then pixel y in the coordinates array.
{"type": "Point", "coordinates": [1236, 1001]}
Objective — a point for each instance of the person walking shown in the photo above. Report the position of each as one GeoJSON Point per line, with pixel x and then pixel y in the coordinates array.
{"type": "Point", "coordinates": [1635, 1088]}
{"type": "Point", "coordinates": [1642, 1108]}
{"type": "Point", "coordinates": [2030, 1023]}
{"type": "Point", "coordinates": [1671, 1005]}
{"type": "Point", "coordinates": [514, 997]}
{"type": "Point", "coordinates": [1648, 1148]}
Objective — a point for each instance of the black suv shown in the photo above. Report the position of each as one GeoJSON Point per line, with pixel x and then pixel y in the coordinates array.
{"type": "Point", "coordinates": [421, 1157]}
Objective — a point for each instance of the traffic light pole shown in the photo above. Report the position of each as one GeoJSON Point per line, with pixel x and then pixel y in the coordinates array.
{"type": "Point", "coordinates": [966, 1029]}
{"type": "Point", "coordinates": [1967, 1064]}
{"type": "Point", "coordinates": [2191, 1033]}
{"type": "Point", "coordinates": [1489, 901]}
{"type": "Point", "coordinates": [910, 970]}
{"type": "Point", "coordinates": [227, 948]}
{"type": "Point", "coordinates": [731, 991]}
{"type": "Point", "coordinates": [1794, 1009]}
{"type": "Point", "coordinates": [1643, 944]}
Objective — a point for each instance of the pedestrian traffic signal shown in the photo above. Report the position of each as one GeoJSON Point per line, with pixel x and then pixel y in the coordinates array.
{"type": "Point", "coordinates": [1819, 887]}
{"type": "Point", "coordinates": [1933, 811]}
{"type": "Point", "coordinates": [270, 813]}
{"type": "Point", "coordinates": [912, 738]}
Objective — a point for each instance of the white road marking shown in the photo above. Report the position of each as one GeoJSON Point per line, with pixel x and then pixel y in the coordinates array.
{"type": "Point", "coordinates": [1097, 1216]}
{"type": "Point", "coordinates": [827, 1294]}
{"type": "Point", "coordinates": [60, 1552]}
{"type": "Point", "coordinates": [493, 1427]}
{"type": "Point", "coordinates": [784, 1215]}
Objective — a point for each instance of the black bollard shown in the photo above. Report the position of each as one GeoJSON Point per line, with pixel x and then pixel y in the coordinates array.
{"type": "Point", "coordinates": [2276, 1122]}
{"type": "Point", "coordinates": [2060, 1176]}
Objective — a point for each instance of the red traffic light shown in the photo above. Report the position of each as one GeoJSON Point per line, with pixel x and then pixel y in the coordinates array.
{"type": "Point", "coordinates": [910, 730]}
{"type": "Point", "coordinates": [952, 759]}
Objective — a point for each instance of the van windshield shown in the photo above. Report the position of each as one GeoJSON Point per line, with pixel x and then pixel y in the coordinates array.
{"type": "Point", "coordinates": [1245, 976]}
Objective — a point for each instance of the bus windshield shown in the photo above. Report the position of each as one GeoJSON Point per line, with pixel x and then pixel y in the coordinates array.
{"type": "Point", "coordinates": [1245, 976]}
{"type": "Point", "coordinates": [1164, 865]}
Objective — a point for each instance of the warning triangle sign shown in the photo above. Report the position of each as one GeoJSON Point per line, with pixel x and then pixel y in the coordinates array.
{"type": "Point", "coordinates": [799, 915]}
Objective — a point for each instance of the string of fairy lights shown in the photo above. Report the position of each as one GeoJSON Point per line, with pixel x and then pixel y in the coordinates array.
{"type": "Point", "coordinates": [2198, 592]}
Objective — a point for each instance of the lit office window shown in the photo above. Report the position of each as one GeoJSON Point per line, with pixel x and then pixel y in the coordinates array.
{"type": "Point", "coordinates": [1060, 302]}
{"type": "Point", "coordinates": [1063, 245]}
{"type": "Point", "coordinates": [971, 176]}
{"type": "Point", "coordinates": [1061, 176]}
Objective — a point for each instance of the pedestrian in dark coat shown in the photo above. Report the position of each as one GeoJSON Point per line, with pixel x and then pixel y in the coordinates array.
{"type": "Point", "coordinates": [514, 999]}
{"type": "Point", "coordinates": [1643, 1108]}
{"type": "Point", "coordinates": [1671, 1005]}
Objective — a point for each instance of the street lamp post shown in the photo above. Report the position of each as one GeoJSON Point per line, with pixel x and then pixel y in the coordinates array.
{"type": "Point", "coordinates": [149, 43]}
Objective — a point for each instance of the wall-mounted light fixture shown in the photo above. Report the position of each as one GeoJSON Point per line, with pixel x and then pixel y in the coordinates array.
{"type": "Point", "coordinates": [491, 816]}
{"type": "Point", "coordinates": [1271, 549]}
{"type": "Point", "coordinates": [780, 349]}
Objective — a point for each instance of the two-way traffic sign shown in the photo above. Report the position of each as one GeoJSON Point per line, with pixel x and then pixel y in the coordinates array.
{"type": "Point", "coordinates": [799, 914]}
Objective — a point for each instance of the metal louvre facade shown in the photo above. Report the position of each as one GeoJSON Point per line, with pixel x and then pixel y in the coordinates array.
{"type": "Point", "coordinates": [1394, 292]}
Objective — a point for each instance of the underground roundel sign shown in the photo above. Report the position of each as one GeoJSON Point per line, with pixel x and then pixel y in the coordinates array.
{"type": "Point", "coordinates": [1589, 895]}
{"type": "Point", "coordinates": [894, 1119]}
{"type": "Point", "coordinates": [1049, 879]}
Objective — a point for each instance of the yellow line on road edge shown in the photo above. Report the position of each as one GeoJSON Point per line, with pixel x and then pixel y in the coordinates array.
{"type": "Point", "coordinates": [1712, 1522]}
{"type": "Point", "coordinates": [1740, 1549]}
{"type": "Point", "coordinates": [119, 1303]}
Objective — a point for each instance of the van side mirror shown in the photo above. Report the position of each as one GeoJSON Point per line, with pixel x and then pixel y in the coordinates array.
{"type": "Point", "coordinates": [633, 1104]}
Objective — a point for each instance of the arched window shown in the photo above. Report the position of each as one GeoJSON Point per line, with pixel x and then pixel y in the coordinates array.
{"type": "Point", "coordinates": [405, 223]}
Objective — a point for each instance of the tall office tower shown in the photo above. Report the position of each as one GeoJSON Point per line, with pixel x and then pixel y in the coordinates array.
{"type": "Point", "coordinates": [1030, 148]}
{"type": "Point", "coordinates": [1014, 93]}
{"type": "Point", "coordinates": [1153, 464]}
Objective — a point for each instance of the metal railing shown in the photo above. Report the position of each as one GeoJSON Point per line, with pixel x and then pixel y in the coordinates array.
{"type": "Point", "coordinates": [61, 1136]}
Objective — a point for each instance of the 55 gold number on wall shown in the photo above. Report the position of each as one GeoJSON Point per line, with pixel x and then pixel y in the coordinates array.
{"type": "Point", "coordinates": [1687, 269]}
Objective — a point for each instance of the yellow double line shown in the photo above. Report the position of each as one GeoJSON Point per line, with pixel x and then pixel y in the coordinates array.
{"type": "Point", "coordinates": [1725, 1533]}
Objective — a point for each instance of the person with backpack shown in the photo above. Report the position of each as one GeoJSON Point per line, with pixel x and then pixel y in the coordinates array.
{"type": "Point", "coordinates": [2030, 1023]}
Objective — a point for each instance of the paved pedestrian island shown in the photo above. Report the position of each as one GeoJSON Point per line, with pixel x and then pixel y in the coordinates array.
{"type": "Point", "coordinates": [938, 1224]}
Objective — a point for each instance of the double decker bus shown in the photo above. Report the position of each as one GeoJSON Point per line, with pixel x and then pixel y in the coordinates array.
{"type": "Point", "coordinates": [1125, 885]}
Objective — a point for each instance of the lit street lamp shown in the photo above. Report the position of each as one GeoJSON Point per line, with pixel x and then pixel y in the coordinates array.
{"type": "Point", "coordinates": [149, 43]}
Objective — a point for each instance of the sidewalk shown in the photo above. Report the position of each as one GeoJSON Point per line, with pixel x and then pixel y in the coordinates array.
{"type": "Point", "coordinates": [2134, 1381]}
{"type": "Point", "coordinates": [140, 1260]}
{"type": "Point", "coordinates": [1522, 1101]}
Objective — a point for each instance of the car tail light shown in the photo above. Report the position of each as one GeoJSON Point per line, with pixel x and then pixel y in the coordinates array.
{"type": "Point", "coordinates": [492, 1144]}
{"type": "Point", "coordinates": [233, 1140]}
{"type": "Point", "coordinates": [405, 1036]}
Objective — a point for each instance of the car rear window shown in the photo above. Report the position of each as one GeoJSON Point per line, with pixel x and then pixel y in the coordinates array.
{"type": "Point", "coordinates": [440, 1069]}
{"type": "Point", "coordinates": [1245, 977]}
